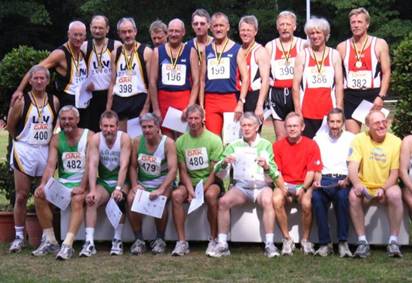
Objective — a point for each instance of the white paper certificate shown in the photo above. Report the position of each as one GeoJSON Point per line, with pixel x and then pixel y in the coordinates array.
{"type": "Point", "coordinates": [199, 198]}
{"type": "Point", "coordinates": [231, 128]}
{"type": "Point", "coordinates": [173, 120]}
{"type": "Point", "coordinates": [82, 96]}
{"type": "Point", "coordinates": [57, 194]}
{"type": "Point", "coordinates": [113, 213]}
{"type": "Point", "coordinates": [363, 109]}
{"type": "Point", "coordinates": [246, 168]}
{"type": "Point", "coordinates": [133, 128]}
{"type": "Point", "coordinates": [142, 204]}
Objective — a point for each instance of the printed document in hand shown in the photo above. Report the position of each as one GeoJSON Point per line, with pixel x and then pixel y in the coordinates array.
{"type": "Point", "coordinates": [113, 212]}
{"type": "Point", "coordinates": [199, 198]}
{"type": "Point", "coordinates": [231, 128]}
{"type": "Point", "coordinates": [82, 96]}
{"type": "Point", "coordinates": [142, 204]}
{"type": "Point", "coordinates": [173, 120]}
{"type": "Point", "coordinates": [133, 128]}
{"type": "Point", "coordinates": [363, 109]}
{"type": "Point", "coordinates": [58, 194]}
{"type": "Point", "coordinates": [245, 167]}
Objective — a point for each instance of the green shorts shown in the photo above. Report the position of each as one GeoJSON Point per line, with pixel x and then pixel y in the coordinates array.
{"type": "Point", "coordinates": [107, 186]}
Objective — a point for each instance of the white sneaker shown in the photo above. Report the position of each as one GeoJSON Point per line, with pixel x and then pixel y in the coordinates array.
{"type": "Point", "coordinates": [324, 250]}
{"type": "Point", "coordinates": [271, 250]}
{"type": "Point", "coordinates": [307, 247]}
{"type": "Point", "coordinates": [288, 246]}
{"type": "Point", "coordinates": [138, 247]}
{"type": "Point", "coordinates": [46, 248]}
{"type": "Point", "coordinates": [210, 246]}
{"type": "Point", "coordinates": [66, 252]}
{"type": "Point", "coordinates": [88, 249]}
{"type": "Point", "coordinates": [181, 248]}
{"type": "Point", "coordinates": [221, 249]}
{"type": "Point", "coordinates": [158, 246]}
{"type": "Point", "coordinates": [117, 247]}
{"type": "Point", "coordinates": [344, 250]}
{"type": "Point", "coordinates": [17, 245]}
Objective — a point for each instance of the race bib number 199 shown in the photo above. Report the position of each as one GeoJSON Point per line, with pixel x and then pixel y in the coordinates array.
{"type": "Point", "coordinates": [218, 70]}
{"type": "Point", "coordinates": [197, 158]}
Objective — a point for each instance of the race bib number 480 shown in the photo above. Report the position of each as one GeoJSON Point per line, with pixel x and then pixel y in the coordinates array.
{"type": "Point", "coordinates": [175, 76]}
{"type": "Point", "coordinates": [149, 164]}
{"type": "Point", "coordinates": [73, 162]}
{"type": "Point", "coordinates": [197, 158]}
{"type": "Point", "coordinates": [40, 133]}
{"type": "Point", "coordinates": [218, 70]}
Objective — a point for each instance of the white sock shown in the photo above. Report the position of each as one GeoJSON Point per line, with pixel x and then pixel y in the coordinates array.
{"type": "Point", "coordinates": [362, 238]}
{"type": "Point", "coordinates": [50, 237]}
{"type": "Point", "coordinates": [222, 238]}
{"type": "Point", "coordinates": [90, 234]}
{"type": "Point", "coordinates": [393, 238]}
{"type": "Point", "coordinates": [269, 238]}
{"type": "Point", "coordinates": [19, 231]}
{"type": "Point", "coordinates": [118, 232]}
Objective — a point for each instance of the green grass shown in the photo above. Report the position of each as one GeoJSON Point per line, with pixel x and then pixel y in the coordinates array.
{"type": "Point", "coordinates": [3, 144]}
{"type": "Point", "coordinates": [247, 264]}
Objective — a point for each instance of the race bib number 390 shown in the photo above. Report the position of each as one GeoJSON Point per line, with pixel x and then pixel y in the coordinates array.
{"type": "Point", "coordinates": [73, 162]}
{"type": "Point", "coordinates": [175, 76]}
{"type": "Point", "coordinates": [40, 133]}
{"type": "Point", "coordinates": [218, 70]}
{"type": "Point", "coordinates": [197, 158]}
{"type": "Point", "coordinates": [149, 164]}
{"type": "Point", "coordinates": [284, 70]}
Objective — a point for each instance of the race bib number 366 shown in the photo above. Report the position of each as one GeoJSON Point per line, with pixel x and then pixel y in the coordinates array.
{"type": "Point", "coordinates": [218, 70]}
{"type": "Point", "coordinates": [197, 158]}
{"type": "Point", "coordinates": [73, 162]}
{"type": "Point", "coordinates": [320, 80]}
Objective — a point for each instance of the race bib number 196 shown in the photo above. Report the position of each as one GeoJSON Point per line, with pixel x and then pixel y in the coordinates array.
{"type": "Point", "coordinates": [197, 158]}
{"type": "Point", "coordinates": [173, 76]}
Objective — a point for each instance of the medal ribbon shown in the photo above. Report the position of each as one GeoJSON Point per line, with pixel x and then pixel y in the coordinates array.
{"type": "Point", "coordinates": [219, 55]}
{"type": "Point", "coordinates": [129, 59]}
{"type": "Point", "coordinates": [38, 108]}
{"type": "Point", "coordinates": [76, 61]}
{"type": "Point", "coordinates": [174, 62]}
{"type": "Point", "coordinates": [319, 64]}
{"type": "Point", "coordinates": [284, 53]}
{"type": "Point", "coordinates": [358, 54]}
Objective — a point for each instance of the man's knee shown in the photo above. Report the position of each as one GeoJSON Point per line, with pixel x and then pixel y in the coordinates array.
{"type": "Point", "coordinates": [267, 199]}
{"type": "Point", "coordinates": [179, 195]}
{"type": "Point", "coordinates": [354, 200]}
{"type": "Point", "coordinates": [278, 199]}
{"type": "Point", "coordinates": [394, 194]}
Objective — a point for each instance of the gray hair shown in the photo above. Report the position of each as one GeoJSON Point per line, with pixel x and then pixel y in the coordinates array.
{"type": "Point", "coordinates": [109, 114]}
{"type": "Point", "coordinates": [293, 115]}
{"type": "Point", "coordinates": [182, 24]}
{"type": "Point", "coordinates": [318, 24]}
{"type": "Point", "coordinates": [37, 68]}
{"type": "Point", "coordinates": [336, 111]}
{"type": "Point", "coordinates": [106, 20]}
{"type": "Point", "coordinates": [195, 108]}
{"type": "Point", "coordinates": [287, 14]}
{"type": "Point", "coordinates": [250, 116]}
{"type": "Point", "coordinates": [126, 19]}
{"type": "Point", "coordinates": [201, 13]}
{"type": "Point", "coordinates": [251, 20]}
{"type": "Point", "coordinates": [69, 108]}
{"type": "Point", "coordinates": [158, 26]}
{"type": "Point", "coordinates": [219, 15]}
{"type": "Point", "coordinates": [147, 117]}
{"type": "Point", "coordinates": [74, 24]}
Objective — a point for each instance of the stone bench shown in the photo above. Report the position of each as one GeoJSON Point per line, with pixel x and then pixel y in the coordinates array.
{"type": "Point", "coordinates": [245, 226]}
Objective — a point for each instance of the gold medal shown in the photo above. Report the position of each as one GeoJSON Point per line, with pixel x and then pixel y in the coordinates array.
{"type": "Point", "coordinates": [358, 64]}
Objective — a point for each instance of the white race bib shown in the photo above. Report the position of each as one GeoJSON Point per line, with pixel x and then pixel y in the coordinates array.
{"type": "Point", "coordinates": [197, 158]}
{"type": "Point", "coordinates": [126, 83]}
{"type": "Point", "coordinates": [173, 76]}
{"type": "Point", "coordinates": [359, 79]}
{"type": "Point", "coordinates": [284, 71]}
{"type": "Point", "coordinates": [218, 71]}
{"type": "Point", "coordinates": [149, 164]}
{"type": "Point", "coordinates": [73, 162]}
{"type": "Point", "coordinates": [40, 133]}
{"type": "Point", "coordinates": [324, 79]}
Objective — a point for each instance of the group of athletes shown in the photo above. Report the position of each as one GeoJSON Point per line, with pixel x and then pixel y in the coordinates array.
{"type": "Point", "coordinates": [299, 81]}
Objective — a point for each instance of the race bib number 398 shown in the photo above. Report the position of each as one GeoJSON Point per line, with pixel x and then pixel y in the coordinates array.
{"type": "Point", "coordinates": [73, 162]}
{"type": "Point", "coordinates": [197, 158]}
{"type": "Point", "coordinates": [218, 70]}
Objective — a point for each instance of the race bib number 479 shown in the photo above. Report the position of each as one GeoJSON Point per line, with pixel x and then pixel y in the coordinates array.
{"type": "Point", "coordinates": [149, 164]}
{"type": "Point", "coordinates": [197, 158]}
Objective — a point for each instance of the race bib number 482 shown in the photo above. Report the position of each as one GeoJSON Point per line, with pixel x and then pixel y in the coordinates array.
{"type": "Point", "coordinates": [197, 158]}
{"type": "Point", "coordinates": [73, 162]}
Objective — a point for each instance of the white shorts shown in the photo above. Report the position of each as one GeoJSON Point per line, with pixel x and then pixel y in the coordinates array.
{"type": "Point", "coordinates": [250, 194]}
{"type": "Point", "coordinates": [29, 159]}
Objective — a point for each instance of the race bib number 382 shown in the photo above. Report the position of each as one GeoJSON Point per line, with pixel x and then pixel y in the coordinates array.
{"type": "Point", "coordinates": [196, 158]}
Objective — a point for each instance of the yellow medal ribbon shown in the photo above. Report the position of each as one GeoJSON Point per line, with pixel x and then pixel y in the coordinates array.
{"type": "Point", "coordinates": [99, 56]}
{"type": "Point", "coordinates": [358, 53]}
{"type": "Point", "coordinates": [284, 53]}
{"type": "Point", "coordinates": [319, 64]}
{"type": "Point", "coordinates": [129, 58]}
{"type": "Point", "coordinates": [38, 108]}
{"type": "Point", "coordinates": [76, 61]}
{"type": "Point", "coordinates": [219, 55]}
{"type": "Point", "coordinates": [174, 61]}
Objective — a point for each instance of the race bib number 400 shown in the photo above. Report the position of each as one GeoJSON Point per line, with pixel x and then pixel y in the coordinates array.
{"type": "Point", "coordinates": [359, 79]}
{"type": "Point", "coordinates": [40, 133]}
{"type": "Point", "coordinates": [320, 80]}
{"type": "Point", "coordinates": [73, 162]}
{"type": "Point", "coordinates": [149, 164]}
{"type": "Point", "coordinates": [218, 70]}
{"type": "Point", "coordinates": [284, 70]}
{"type": "Point", "coordinates": [175, 76]}
{"type": "Point", "coordinates": [197, 158]}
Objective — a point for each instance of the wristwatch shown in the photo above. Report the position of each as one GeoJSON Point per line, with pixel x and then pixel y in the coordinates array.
{"type": "Point", "coordinates": [242, 100]}
{"type": "Point", "coordinates": [118, 188]}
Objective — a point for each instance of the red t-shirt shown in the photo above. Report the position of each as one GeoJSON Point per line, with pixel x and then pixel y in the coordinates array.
{"type": "Point", "coordinates": [294, 160]}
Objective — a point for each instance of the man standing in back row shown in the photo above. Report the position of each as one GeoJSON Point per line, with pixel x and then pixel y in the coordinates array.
{"type": "Point", "coordinates": [367, 67]}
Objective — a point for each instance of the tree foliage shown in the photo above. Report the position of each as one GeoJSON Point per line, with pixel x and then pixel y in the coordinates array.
{"type": "Point", "coordinates": [401, 84]}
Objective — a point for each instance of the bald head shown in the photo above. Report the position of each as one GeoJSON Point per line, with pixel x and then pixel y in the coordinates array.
{"type": "Point", "coordinates": [76, 34]}
{"type": "Point", "coordinates": [77, 25]}
{"type": "Point", "coordinates": [176, 32]}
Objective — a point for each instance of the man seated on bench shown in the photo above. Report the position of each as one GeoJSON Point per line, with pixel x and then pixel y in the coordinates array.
{"type": "Point", "coordinates": [298, 160]}
{"type": "Point", "coordinates": [153, 167]}
{"type": "Point", "coordinates": [67, 151]}
{"type": "Point", "coordinates": [254, 172]}
{"type": "Point", "coordinates": [373, 171]}
{"type": "Point", "coordinates": [109, 160]}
